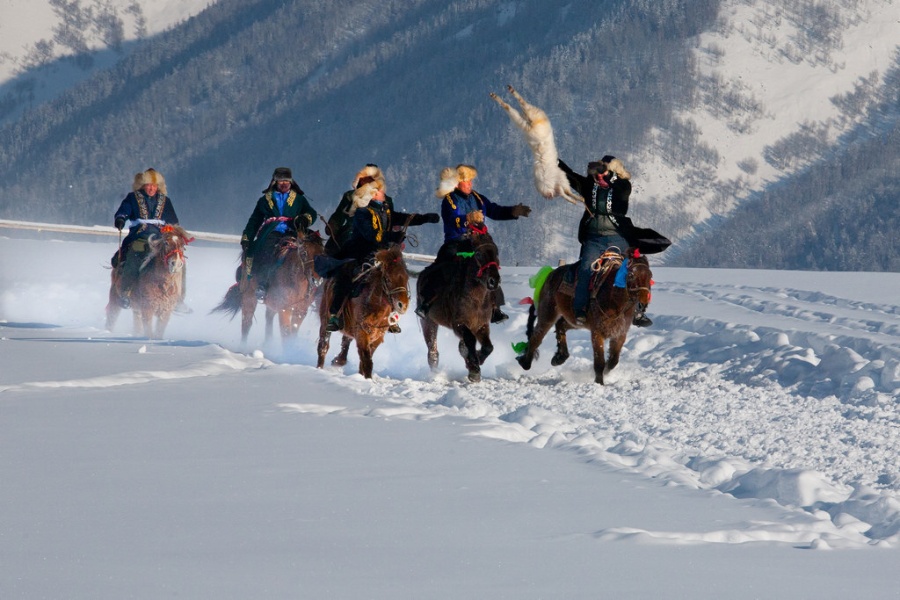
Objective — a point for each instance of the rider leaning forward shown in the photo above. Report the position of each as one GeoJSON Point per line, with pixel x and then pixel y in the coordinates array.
{"type": "Point", "coordinates": [463, 211]}
{"type": "Point", "coordinates": [147, 208]}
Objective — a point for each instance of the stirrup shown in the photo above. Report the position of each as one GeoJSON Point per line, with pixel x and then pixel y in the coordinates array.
{"type": "Point", "coordinates": [422, 311]}
{"type": "Point", "coordinates": [261, 293]}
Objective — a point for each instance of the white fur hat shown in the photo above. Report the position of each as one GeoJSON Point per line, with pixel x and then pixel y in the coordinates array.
{"type": "Point", "coordinates": [151, 175]}
{"type": "Point", "coordinates": [449, 180]}
{"type": "Point", "coordinates": [371, 171]}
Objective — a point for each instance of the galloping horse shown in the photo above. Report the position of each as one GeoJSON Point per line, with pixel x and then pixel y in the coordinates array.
{"type": "Point", "coordinates": [157, 288]}
{"type": "Point", "coordinates": [383, 295]}
{"type": "Point", "coordinates": [291, 289]}
{"type": "Point", "coordinates": [465, 302]}
{"type": "Point", "coordinates": [609, 312]}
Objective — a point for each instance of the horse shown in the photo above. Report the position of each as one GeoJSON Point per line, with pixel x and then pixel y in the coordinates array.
{"type": "Point", "coordinates": [549, 179]}
{"type": "Point", "coordinates": [383, 295]}
{"type": "Point", "coordinates": [464, 302]}
{"type": "Point", "coordinates": [609, 312]}
{"type": "Point", "coordinates": [156, 282]}
{"type": "Point", "coordinates": [291, 289]}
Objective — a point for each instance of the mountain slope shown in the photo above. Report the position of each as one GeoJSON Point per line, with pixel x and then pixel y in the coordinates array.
{"type": "Point", "coordinates": [701, 100]}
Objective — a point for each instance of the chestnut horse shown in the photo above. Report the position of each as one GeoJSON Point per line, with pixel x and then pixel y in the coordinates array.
{"type": "Point", "coordinates": [465, 302]}
{"type": "Point", "coordinates": [383, 295]}
{"type": "Point", "coordinates": [609, 312]}
{"type": "Point", "coordinates": [158, 281]}
{"type": "Point", "coordinates": [291, 289]}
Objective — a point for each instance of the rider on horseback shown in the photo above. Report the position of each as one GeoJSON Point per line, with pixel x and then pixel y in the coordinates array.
{"type": "Point", "coordinates": [463, 210]}
{"type": "Point", "coordinates": [282, 210]}
{"type": "Point", "coordinates": [375, 226]}
{"type": "Point", "coordinates": [606, 191]}
{"type": "Point", "coordinates": [147, 208]}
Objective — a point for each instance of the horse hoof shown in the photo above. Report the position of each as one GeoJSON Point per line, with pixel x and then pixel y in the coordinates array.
{"type": "Point", "coordinates": [474, 376]}
{"type": "Point", "coordinates": [523, 362]}
{"type": "Point", "coordinates": [338, 362]}
{"type": "Point", "coordinates": [559, 359]}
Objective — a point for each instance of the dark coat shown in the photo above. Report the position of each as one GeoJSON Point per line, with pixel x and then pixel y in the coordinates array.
{"type": "Point", "coordinates": [377, 226]}
{"type": "Point", "coordinates": [298, 215]}
{"type": "Point", "coordinates": [340, 223]}
{"type": "Point", "coordinates": [137, 205]}
{"type": "Point", "coordinates": [456, 205]}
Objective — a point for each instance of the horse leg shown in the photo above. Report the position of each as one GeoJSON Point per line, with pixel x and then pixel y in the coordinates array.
{"type": "Point", "coordinates": [545, 320]}
{"type": "Point", "coordinates": [430, 331]}
{"type": "Point", "coordinates": [113, 308]}
{"type": "Point", "coordinates": [366, 348]}
{"type": "Point", "coordinates": [286, 322]}
{"type": "Point", "coordinates": [469, 352]}
{"type": "Point", "coordinates": [341, 359]}
{"type": "Point", "coordinates": [248, 307]}
{"type": "Point", "coordinates": [483, 336]}
{"type": "Point", "coordinates": [599, 359]}
{"type": "Point", "coordinates": [162, 321]}
{"type": "Point", "coordinates": [615, 348]}
{"type": "Point", "coordinates": [270, 323]}
{"type": "Point", "coordinates": [562, 344]}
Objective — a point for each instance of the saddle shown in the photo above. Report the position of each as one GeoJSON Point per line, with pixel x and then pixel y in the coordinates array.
{"type": "Point", "coordinates": [608, 264]}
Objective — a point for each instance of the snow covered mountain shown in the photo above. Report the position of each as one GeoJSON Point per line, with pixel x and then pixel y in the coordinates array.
{"type": "Point", "coordinates": [711, 104]}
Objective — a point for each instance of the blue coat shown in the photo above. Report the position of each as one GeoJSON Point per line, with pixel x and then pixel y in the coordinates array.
{"type": "Point", "coordinates": [456, 205]}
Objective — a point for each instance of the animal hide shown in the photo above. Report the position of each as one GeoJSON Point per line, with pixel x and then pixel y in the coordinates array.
{"type": "Point", "coordinates": [549, 179]}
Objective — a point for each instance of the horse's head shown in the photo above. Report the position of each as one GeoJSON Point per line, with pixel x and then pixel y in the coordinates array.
{"type": "Point", "coordinates": [394, 277]}
{"type": "Point", "coordinates": [486, 261]}
{"type": "Point", "coordinates": [640, 277]}
{"type": "Point", "coordinates": [173, 241]}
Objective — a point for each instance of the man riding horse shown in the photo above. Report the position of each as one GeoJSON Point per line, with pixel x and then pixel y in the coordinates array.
{"type": "Point", "coordinates": [375, 226]}
{"type": "Point", "coordinates": [282, 210]}
{"type": "Point", "coordinates": [147, 208]}
{"type": "Point", "coordinates": [463, 210]}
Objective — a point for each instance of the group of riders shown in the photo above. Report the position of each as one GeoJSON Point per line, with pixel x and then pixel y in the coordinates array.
{"type": "Point", "coordinates": [365, 221]}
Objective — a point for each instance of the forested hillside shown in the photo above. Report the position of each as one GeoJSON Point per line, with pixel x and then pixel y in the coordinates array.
{"type": "Point", "coordinates": [247, 85]}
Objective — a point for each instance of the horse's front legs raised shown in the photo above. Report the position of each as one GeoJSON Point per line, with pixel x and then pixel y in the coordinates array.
{"type": "Point", "coordinates": [597, 340]}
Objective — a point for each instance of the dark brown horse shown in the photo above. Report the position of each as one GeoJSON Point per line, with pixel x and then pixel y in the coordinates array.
{"type": "Point", "coordinates": [383, 295]}
{"type": "Point", "coordinates": [156, 283]}
{"type": "Point", "coordinates": [609, 312]}
{"type": "Point", "coordinates": [464, 302]}
{"type": "Point", "coordinates": [292, 285]}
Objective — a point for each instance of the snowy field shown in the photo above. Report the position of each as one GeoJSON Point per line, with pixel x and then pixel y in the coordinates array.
{"type": "Point", "coordinates": [746, 447]}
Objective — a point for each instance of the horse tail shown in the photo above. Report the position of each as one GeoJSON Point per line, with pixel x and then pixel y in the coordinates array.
{"type": "Point", "coordinates": [231, 303]}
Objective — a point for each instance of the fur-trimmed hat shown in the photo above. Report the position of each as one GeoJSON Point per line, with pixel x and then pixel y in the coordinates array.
{"type": "Point", "coordinates": [608, 163]}
{"type": "Point", "coordinates": [371, 171]}
{"type": "Point", "coordinates": [466, 172]}
{"type": "Point", "coordinates": [451, 177]}
{"type": "Point", "coordinates": [282, 174]}
{"type": "Point", "coordinates": [151, 175]}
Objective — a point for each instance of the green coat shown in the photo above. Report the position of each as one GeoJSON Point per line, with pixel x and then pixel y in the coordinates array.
{"type": "Point", "coordinates": [297, 210]}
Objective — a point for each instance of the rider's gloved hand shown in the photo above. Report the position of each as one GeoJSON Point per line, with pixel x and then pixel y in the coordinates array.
{"type": "Point", "coordinates": [120, 223]}
{"type": "Point", "coordinates": [520, 210]}
{"type": "Point", "coordinates": [431, 218]}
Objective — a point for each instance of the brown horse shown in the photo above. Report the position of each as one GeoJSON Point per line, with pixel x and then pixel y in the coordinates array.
{"type": "Point", "coordinates": [157, 282]}
{"type": "Point", "coordinates": [464, 302]}
{"type": "Point", "coordinates": [291, 289]}
{"type": "Point", "coordinates": [609, 312]}
{"type": "Point", "coordinates": [383, 295]}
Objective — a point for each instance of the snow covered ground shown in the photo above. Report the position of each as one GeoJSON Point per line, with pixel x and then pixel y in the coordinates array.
{"type": "Point", "coordinates": [757, 419]}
